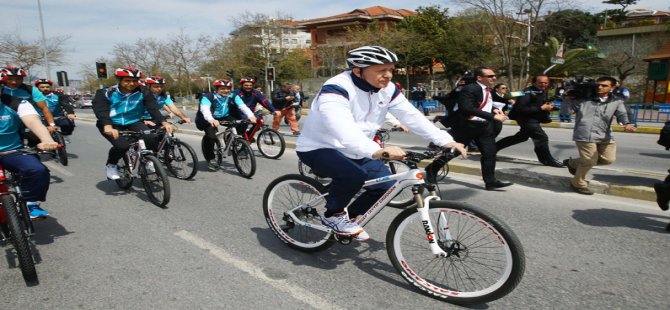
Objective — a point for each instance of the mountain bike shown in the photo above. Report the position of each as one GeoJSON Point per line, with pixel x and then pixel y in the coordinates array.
{"type": "Point", "coordinates": [15, 224]}
{"type": "Point", "coordinates": [448, 250]}
{"type": "Point", "coordinates": [60, 153]}
{"type": "Point", "coordinates": [140, 162]}
{"type": "Point", "coordinates": [402, 200]}
{"type": "Point", "coordinates": [270, 143]}
{"type": "Point", "coordinates": [179, 157]}
{"type": "Point", "coordinates": [228, 143]}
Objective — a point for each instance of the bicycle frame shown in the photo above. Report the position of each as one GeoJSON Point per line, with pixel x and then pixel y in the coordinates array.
{"type": "Point", "coordinates": [9, 186]}
{"type": "Point", "coordinates": [135, 151]}
{"type": "Point", "coordinates": [227, 144]}
{"type": "Point", "coordinates": [260, 124]}
{"type": "Point", "coordinates": [415, 178]}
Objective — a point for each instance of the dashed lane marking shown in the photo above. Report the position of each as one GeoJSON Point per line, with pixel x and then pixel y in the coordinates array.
{"type": "Point", "coordinates": [299, 293]}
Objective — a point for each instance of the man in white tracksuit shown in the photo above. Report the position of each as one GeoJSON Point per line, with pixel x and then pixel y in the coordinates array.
{"type": "Point", "coordinates": [336, 139]}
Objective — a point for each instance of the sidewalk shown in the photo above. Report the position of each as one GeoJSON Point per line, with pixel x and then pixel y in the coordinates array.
{"type": "Point", "coordinates": [629, 184]}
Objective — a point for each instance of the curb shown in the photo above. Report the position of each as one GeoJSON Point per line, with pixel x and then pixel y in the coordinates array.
{"type": "Point", "coordinates": [522, 176]}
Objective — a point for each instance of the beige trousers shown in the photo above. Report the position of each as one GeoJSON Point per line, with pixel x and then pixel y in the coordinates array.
{"type": "Point", "coordinates": [591, 154]}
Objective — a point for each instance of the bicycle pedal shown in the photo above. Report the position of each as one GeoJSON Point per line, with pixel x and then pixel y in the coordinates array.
{"type": "Point", "coordinates": [343, 239]}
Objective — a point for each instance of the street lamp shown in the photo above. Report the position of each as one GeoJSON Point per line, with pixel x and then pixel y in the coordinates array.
{"type": "Point", "coordinates": [528, 12]}
{"type": "Point", "coordinates": [44, 42]}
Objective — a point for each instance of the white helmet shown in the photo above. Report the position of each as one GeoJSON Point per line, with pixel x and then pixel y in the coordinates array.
{"type": "Point", "coordinates": [366, 56]}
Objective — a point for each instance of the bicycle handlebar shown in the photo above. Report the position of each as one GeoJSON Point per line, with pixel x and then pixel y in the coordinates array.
{"type": "Point", "coordinates": [28, 150]}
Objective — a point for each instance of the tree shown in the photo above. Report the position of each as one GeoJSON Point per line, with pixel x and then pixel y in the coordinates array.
{"type": "Point", "coordinates": [145, 54]}
{"type": "Point", "coordinates": [295, 67]}
{"type": "Point", "coordinates": [623, 3]}
{"type": "Point", "coordinates": [183, 56]}
{"type": "Point", "coordinates": [574, 28]}
{"type": "Point", "coordinates": [26, 54]}
{"type": "Point", "coordinates": [578, 61]}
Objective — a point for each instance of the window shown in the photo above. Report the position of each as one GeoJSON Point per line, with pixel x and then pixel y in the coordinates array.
{"type": "Point", "coordinates": [285, 41]}
{"type": "Point", "coordinates": [294, 41]}
{"type": "Point", "coordinates": [308, 41]}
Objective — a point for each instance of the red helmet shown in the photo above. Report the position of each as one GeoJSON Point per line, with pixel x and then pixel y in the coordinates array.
{"type": "Point", "coordinates": [141, 83]}
{"type": "Point", "coordinates": [247, 80]}
{"type": "Point", "coordinates": [43, 81]}
{"type": "Point", "coordinates": [155, 79]}
{"type": "Point", "coordinates": [59, 90]}
{"type": "Point", "coordinates": [128, 72]}
{"type": "Point", "coordinates": [11, 70]}
{"type": "Point", "coordinates": [222, 83]}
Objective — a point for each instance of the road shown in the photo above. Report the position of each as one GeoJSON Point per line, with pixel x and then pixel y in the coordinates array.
{"type": "Point", "coordinates": [103, 248]}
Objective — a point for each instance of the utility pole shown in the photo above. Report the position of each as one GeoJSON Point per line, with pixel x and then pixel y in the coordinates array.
{"type": "Point", "coordinates": [44, 42]}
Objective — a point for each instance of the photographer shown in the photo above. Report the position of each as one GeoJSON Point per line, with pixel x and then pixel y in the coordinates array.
{"type": "Point", "coordinates": [282, 99]}
{"type": "Point", "coordinates": [592, 133]}
{"type": "Point", "coordinates": [530, 110]}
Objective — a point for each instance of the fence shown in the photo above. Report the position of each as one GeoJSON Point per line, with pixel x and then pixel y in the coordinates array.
{"type": "Point", "coordinates": [642, 112]}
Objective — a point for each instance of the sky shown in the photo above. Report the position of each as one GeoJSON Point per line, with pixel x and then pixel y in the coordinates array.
{"type": "Point", "coordinates": [95, 26]}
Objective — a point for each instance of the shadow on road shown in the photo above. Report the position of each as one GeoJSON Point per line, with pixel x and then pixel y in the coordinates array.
{"type": "Point", "coordinates": [616, 218]}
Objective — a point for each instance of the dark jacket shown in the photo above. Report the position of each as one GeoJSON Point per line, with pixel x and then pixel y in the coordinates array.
{"type": "Point", "coordinates": [418, 94]}
{"type": "Point", "coordinates": [279, 99]}
{"type": "Point", "coordinates": [469, 100]}
{"type": "Point", "coordinates": [529, 106]}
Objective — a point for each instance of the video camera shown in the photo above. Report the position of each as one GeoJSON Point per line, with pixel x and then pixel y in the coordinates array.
{"type": "Point", "coordinates": [581, 88]}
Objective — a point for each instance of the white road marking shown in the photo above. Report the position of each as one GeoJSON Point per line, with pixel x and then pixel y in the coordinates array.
{"type": "Point", "coordinates": [299, 293]}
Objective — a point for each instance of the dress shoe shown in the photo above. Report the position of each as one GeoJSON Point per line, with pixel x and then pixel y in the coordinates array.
{"type": "Point", "coordinates": [554, 163]}
{"type": "Point", "coordinates": [497, 184]}
{"type": "Point", "coordinates": [583, 191]}
{"type": "Point", "coordinates": [570, 169]}
{"type": "Point", "coordinates": [662, 195]}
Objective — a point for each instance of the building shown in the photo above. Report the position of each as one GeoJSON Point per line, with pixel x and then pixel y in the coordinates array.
{"type": "Point", "coordinates": [275, 36]}
{"type": "Point", "coordinates": [328, 34]}
{"type": "Point", "coordinates": [658, 77]}
{"type": "Point", "coordinates": [640, 34]}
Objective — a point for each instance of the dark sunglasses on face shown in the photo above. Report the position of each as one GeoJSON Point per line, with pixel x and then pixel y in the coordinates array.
{"type": "Point", "coordinates": [489, 76]}
{"type": "Point", "coordinates": [604, 85]}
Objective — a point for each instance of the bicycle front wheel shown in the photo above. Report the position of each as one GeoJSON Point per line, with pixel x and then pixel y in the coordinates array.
{"type": "Point", "coordinates": [485, 260]}
{"type": "Point", "coordinates": [181, 160]}
{"type": "Point", "coordinates": [405, 198]}
{"type": "Point", "coordinates": [18, 235]}
{"type": "Point", "coordinates": [154, 180]}
{"type": "Point", "coordinates": [244, 158]}
{"type": "Point", "coordinates": [270, 143]}
{"type": "Point", "coordinates": [292, 197]}
{"type": "Point", "coordinates": [61, 152]}
{"type": "Point", "coordinates": [308, 172]}
{"type": "Point", "coordinates": [126, 180]}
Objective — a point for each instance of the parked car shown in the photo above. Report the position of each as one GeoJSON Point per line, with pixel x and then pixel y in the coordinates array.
{"type": "Point", "coordinates": [85, 103]}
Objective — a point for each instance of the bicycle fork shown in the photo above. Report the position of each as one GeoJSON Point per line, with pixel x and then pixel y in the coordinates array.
{"type": "Point", "coordinates": [423, 207]}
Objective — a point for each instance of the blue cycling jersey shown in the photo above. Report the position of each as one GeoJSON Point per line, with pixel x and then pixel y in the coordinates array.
{"type": "Point", "coordinates": [162, 101]}
{"type": "Point", "coordinates": [221, 109]}
{"type": "Point", "coordinates": [10, 128]}
{"type": "Point", "coordinates": [125, 109]}
{"type": "Point", "coordinates": [53, 102]}
{"type": "Point", "coordinates": [20, 92]}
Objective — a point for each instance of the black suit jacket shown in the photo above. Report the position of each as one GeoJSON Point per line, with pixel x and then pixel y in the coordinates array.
{"type": "Point", "coordinates": [469, 100]}
{"type": "Point", "coordinates": [529, 106]}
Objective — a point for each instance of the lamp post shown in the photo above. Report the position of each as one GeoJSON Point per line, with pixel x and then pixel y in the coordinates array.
{"type": "Point", "coordinates": [44, 42]}
{"type": "Point", "coordinates": [528, 12]}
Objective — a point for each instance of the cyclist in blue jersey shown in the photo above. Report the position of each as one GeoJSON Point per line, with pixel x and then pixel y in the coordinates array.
{"type": "Point", "coordinates": [15, 114]}
{"type": "Point", "coordinates": [121, 107]}
{"type": "Point", "coordinates": [156, 85]}
{"type": "Point", "coordinates": [60, 108]}
{"type": "Point", "coordinates": [337, 137]}
{"type": "Point", "coordinates": [14, 86]}
{"type": "Point", "coordinates": [215, 107]}
{"type": "Point", "coordinates": [252, 98]}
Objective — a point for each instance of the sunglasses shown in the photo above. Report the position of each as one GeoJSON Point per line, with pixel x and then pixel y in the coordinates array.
{"type": "Point", "coordinates": [489, 76]}
{"type": "Point", "coordinates": [604, 85]}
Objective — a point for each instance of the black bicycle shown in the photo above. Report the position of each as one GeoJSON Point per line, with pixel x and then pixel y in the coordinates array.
{"type": "Point", "coordinates": [229, 143]}
{"type": "Point", "coordinates": [179, 157]}
{"type": "Point", "coordinates": [140, 162]}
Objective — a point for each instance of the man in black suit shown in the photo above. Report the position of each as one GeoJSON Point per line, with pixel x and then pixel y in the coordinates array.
{"type": "Point", "coordinates": [529, 111]}
{"type": "Point", "coordinates": [475, 121]}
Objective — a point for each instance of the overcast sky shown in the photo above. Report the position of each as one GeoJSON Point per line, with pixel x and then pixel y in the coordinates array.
{"type": "Point", "coordinates": [95, 26]}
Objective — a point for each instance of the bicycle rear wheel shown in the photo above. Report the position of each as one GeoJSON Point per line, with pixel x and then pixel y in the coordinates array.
{"type": "Point", "coordinates": [126, 180]}
{"type": "Point", "coordinates": [485, 260]}
{"type": "Point", "coordinates": [61, 153]}
{"type": "Point", "coordinates": [303, 197]}
{"type": "Point", "coordinates": [181, 160]}
{"type": "Point", "coordinates": [270, 143]}
{"type": "Point", "coordinates": [308, 172]}
{"type": "Point", "coordinates": [156, 183]}
{"type": "Point", "coordinates": [19, 238]}
{"type": "Point", "coordinates": [244, 158]}
{"type": "Point", "coordinates": [405, 198]}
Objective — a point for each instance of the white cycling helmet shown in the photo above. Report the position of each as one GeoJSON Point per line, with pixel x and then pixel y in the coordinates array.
{"type": "Point", "coordinates": [366, 56]}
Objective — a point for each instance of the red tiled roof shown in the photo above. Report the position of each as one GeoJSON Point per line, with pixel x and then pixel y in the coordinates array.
{"type": "Point", "coordinates": [661, 53]}
{"type": "Point", "coordinates": [367, 13]}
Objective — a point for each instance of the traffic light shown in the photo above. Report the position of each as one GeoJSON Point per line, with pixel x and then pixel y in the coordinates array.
{"type": "Point", "coordinates": [231, 74]}
{"type": "Point", "coordinates": [270, 73]}
{"type": "Point", "coordinates": [101, 69]}
{"type": "Point", "coordinates": [62, 78]}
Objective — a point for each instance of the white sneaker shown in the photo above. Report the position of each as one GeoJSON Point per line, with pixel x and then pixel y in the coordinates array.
{"type": "Point", "coordinates": [112, 172]}
{"type": "Point", "coordinates": [150, 167]}
{"type": "Point", "coordinates": [342, 225]}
